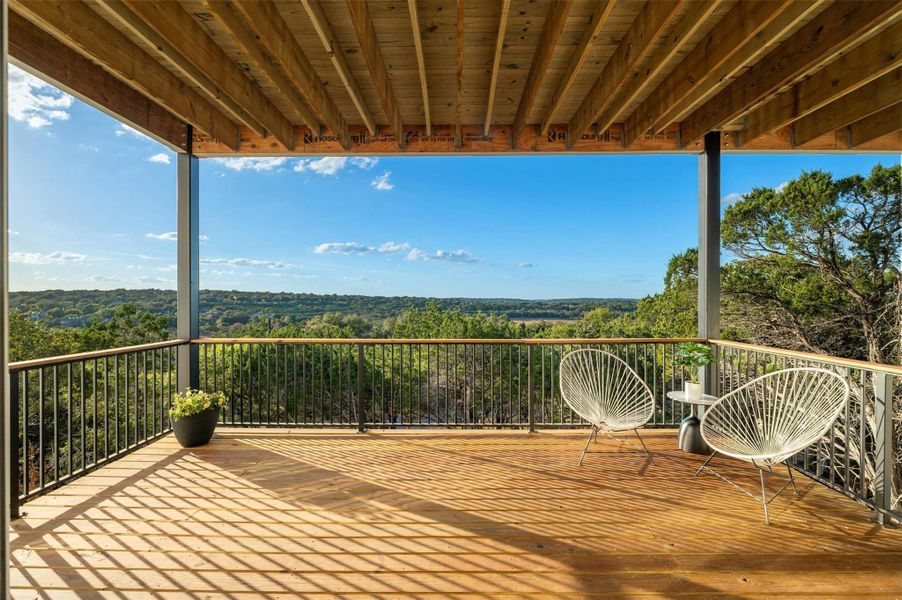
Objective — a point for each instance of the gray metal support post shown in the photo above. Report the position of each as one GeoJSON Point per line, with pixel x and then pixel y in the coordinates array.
{"type": "Point", "coordinates": [709, 249]}
{"type": "Point", "coordinates": [7, 427]}
{"type": "Point", "coordinates": [531, 387]}
{"type": "Point", "coordinates": [188, 323]}
{"type": "Point", "coordinates": [883, 445]}
{"type": "Point", "coordinates": [361, 387]}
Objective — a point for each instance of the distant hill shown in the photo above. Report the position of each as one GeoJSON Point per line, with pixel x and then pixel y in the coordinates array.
{"type": "Point", "coordinates": [222, 309]}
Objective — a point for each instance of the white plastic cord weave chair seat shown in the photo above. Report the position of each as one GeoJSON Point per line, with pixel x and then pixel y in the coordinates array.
{"type": "Point", "coordinates": [776, 415]}
{"type": "Point", "coordinates": [605, 391]}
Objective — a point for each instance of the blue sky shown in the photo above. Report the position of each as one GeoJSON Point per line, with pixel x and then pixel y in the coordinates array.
{"type": "Point", "coordinates": [92, 206]}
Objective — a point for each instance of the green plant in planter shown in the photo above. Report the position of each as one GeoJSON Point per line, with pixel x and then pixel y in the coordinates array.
{"type": "Point", "coordinates": [693, 356]}
{"type": "Point", "coordinates": [192, 402]}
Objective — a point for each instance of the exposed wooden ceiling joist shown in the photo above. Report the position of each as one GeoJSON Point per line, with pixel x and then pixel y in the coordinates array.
{"type": "Point", "coordinates": [496, 63]}
{"type": "Point", "coordinates": [369, 47]}
{"type": "Point", "coordinates": [602, 11]}
{"type": "Point", "coordinates": [638, 41]}
{"type": "Point", "coordinates": [839, 27]}
{"type": "Point", "coordinates": [37, 50]}
{"type": "Point", "coordinates": [555, 19]}
{"type": "Point", "coordinates": [742, 34]}
{"type": "Point", "coordinates": [458, 72]}
{"type": "Point", "coordinates": [240, 31]}
{"type": "Point", "coordinates": [274, 33]}
{"type": "Point", "coordinates": [176, 36]}
{"type": "Point", "coordinates": [871, 98]}
{"type": "Point", "coordinates": [75, 24]}
{"type": "Point", "coordinates": [859, 66]}
{"type": "Point", "coordinates": [874, 126]}
{"type": "Point", "coordinates": [421, 61]}
{"type": "Point", "coordinates": [695, 17]}
{"type": "Point", "coordinates": [336, 55]}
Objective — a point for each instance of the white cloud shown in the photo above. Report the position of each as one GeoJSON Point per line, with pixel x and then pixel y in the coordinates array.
{"type": "Point", "coordinates": [154, 280]}
{"type": "Point", "coordinates": [342, 248]}
{"type": "Point", "coordinates": [103, 278]}
{"type": "Point", "coordinates": [160, 157]}
{"type": "Point", "coordinates": [327, 165]}
{"type": "Point", "coordinates": [34, 101]}
{"type": "Point", "coordinates": [526, 265]}
{"type": "Point", "coordinates": [129, 130]}
{"type": "Point", "coordinates": [252, 164]}
{"type": "Point", "coordinates": [382, 183]}
{"type": "Point", "coordinates": [393, 247]}
{"type": "Point", "coordinates": [355, 248]}
{"type": "Point", "coordinates": [453, 256]}
{"type": "Point", "coordinates": [169, 236]}
{"type": "Point", "coordinates": [168, 268]}
{"type": "Point", "coordinates": [364, 162]}
{"type": "Point", "coordinates": [246, 262]}
{"type": "Point", "coordinates": [781, 187]}
{"type": "Point", "coordinates": [730, 199]}
{"type": "Point", "coordinates": [51, 258]}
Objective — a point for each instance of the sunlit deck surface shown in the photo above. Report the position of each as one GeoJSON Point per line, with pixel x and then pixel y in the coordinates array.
{"type": "Point", "coordinates": [450, 514]}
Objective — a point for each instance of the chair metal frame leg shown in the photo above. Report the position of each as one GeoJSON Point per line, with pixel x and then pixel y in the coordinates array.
{"type": "Point", "coordinates": [705, 464]}
{"type": "Point", "coordinates": [641, 441]}
{"type": "Point", "coordinates": [762, 469]}
{"type": "Point", "coordinates": [592, 435]}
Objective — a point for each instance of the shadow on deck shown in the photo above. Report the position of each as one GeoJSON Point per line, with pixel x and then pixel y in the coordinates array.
{"type": "Point", "coordinates": [450, 514]}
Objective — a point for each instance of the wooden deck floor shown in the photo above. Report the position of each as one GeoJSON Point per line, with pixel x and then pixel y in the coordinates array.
{"type": "Point", "coordinates": [439, 514]}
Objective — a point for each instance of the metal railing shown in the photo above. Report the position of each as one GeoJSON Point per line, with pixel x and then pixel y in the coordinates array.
{"type": "Point", "coordinates": [75, 413]}
{"type": "Point", "coordinates": [393, 383]}
{"type": "Point", "coordinates": [862, 455]}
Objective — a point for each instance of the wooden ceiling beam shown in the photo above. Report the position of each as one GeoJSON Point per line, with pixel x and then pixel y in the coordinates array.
{"type": "Point", "coordinates": [839, 27]}
{"type": "Point", "coordinates": [600, 16]}
{"type": "Point", "coordinates": [874, 126]}
{"type": "Point", "coordinates": [496, 63]}
{"type": "Point", "coordinates": [459, 72]}
{"type": "Point", "coordinates": [82, 29]}
{"type": "Point", "coordinates": [555, 19]}
{"type": "Point", "coordinates": [859, 66]}
{"type": "Point", "coordinates": [369, 47]}
{"type": "Point", "coordinates": [421, 61]}
{"type": "Point", "coordinates": [635, 45]}
{"type": "Point", "coordinates": [742, 34]}
{"type": "Point", "coordinates": [336, 55]}
{"type": "Point", "coordinates": [36, 50]}
{"type": "Point", "coordinates": [865, 101]}
{"type": "Point", "coordinates": [695, 17]}
{"type": "Point", "coordinates": [183, 42]}
{"type": "Point", "coordinates": [240, 31]}
{"type": "Point", "coordinates": [277, 37]}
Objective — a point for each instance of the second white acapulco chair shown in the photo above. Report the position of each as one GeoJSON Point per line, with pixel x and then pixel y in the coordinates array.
{"type": "Point", "coordinates": [772, 418]}
{"type": "Point", "coordinates": [605, 391]}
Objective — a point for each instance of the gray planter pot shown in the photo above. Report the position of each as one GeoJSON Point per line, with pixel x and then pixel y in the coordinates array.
{"type": "Point", "coordinates": [195, 430]}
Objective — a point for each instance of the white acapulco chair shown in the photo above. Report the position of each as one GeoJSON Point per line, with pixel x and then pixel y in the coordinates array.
{"type": "Point", "coordinates": [605, 391]}
{"type": "Point", "coordinates": [772, 418]}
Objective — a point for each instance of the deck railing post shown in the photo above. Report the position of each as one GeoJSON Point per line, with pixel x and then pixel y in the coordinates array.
{"type": "Point", "coordinates": [361, 405]}
{"type": "Point", "coordinates": [531, 387]}
{"type": "Point", "coordinates": [187, 313]}
{"type": "Point", "coordinates": [14, 472]}
{"type": "Point", "coordinates": [709, 250]}
{"type": "Point", "coordinates": [883, 445]}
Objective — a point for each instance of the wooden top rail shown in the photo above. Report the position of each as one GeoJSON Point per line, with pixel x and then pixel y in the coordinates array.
{"type": "Point", "coordinates": [83, 356]}
{"type": "Point", "coordinates": [404, 341]}
{"type": "Point", "coordinates": [821, 358]}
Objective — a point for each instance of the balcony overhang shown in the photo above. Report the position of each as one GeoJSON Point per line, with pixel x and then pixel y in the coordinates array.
{"type": "Point", "coordinates": [472, 77]}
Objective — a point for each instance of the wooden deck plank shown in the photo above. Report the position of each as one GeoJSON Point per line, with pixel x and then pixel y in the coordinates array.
{"type": "Point", "coordinates": [404, 514]}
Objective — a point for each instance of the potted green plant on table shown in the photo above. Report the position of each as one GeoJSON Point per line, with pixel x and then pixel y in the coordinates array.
{"type": "Point", "coordinates": [693, 356]}
{"type": "Point", "coordinates": [194, 415]}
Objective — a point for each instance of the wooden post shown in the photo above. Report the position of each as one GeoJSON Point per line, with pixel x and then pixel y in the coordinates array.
{"type": "Point", "coordinates": [709, 249]}
{"type": "Point", "coordinates": [187, 317]}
